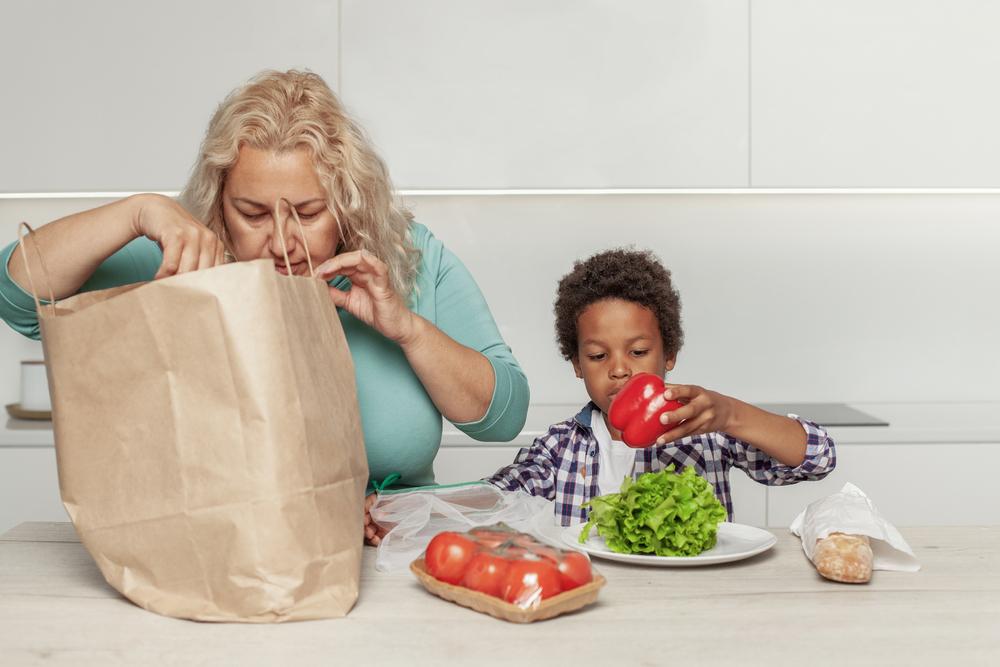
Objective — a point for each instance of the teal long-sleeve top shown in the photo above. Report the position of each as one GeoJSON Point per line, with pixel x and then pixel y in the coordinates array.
{"type": "Point", "coordinates": [402, 427]}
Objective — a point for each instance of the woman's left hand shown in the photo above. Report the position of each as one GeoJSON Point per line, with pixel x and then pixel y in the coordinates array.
{"type": "Point", "coordinates": [371, 297]}
{"type": "Point", "coordinates": [373, 532]}
{"type": "Point", "coordinates": [704, 411]}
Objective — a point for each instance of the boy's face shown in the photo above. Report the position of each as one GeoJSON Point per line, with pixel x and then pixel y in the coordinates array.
{"type": "Point", "coordinates": [617, 339]}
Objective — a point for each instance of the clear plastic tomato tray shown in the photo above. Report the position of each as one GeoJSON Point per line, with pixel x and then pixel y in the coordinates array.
{"type": "Point", "coordinates": [556, 605]}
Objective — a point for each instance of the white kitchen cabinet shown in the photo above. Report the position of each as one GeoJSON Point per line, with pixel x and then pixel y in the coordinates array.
{"type": "Point", "coordinates": [524, 94]}
{"type": "Point", "coordinates": [29, 486]}
{"type": "Point", "coordinates": [874, 93]}
{"type": "Point", "coordinates": [464, 464]}
{"type": "Point", "coordinates": [116, 95]}
{"type": "Point", "coordinates": [944, 484]}
{"type": "Point", "coordinates": [749, 499]}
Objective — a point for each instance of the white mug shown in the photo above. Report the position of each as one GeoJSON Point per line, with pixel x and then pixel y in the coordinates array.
{"type": "Point", "coordinates": [34, 387]}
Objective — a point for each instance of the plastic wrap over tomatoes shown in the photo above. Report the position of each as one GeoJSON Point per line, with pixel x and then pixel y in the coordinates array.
{"type": "Point", "coordinates": [503, 563]}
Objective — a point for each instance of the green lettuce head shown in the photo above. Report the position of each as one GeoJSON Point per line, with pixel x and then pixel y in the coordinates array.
{"type": "Point", "coordinates": [660, 513]}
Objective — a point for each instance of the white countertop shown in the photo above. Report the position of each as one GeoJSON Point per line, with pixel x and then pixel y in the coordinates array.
{"type": "Point", "coordinates": [770, 610]}
{"type": "Point", "coordinates": [918, 423]}
{"type": "Point", "coordinates": [909, 423]}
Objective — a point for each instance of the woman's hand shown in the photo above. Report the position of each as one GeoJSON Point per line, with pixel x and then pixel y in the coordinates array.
{"type": "Point", "coordinates": [373, 532]}
{"type": "Point", "coordinates": [371, 298]}
{"type": "Point", "coordinates": [459, 380]}
{"type": "Point", "coordinates": [704, 411]}
{"type": "Point", "coordinates": [187, 244]}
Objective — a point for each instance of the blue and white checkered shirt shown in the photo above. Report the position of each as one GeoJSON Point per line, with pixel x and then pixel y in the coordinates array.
{"type": "Point", "coordinates": [562, 465]}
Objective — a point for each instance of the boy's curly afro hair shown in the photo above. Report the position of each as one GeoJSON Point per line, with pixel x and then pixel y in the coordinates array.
{"type": "Point", "coordinates": [620, 273]}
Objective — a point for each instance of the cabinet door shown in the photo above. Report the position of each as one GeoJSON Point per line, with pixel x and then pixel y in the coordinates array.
{"type": "Point", "coordinates": [564, 94]}
{"type": "Point", "coordinates": [465, 464]}
{"type": "Point", "coordinates": [874, 93]}
{"type": "Point", "coordinates": [107, 97]}
{"type": "Point", "coordinates": [749, 499]}
{"type": "Point", "coordinates": [910, 485]}
{"type": "Point", "coordinates": [29, 486]}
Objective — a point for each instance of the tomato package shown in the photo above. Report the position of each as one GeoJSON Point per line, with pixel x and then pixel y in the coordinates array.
{"type": "Point", "coordinates": [506, 564]}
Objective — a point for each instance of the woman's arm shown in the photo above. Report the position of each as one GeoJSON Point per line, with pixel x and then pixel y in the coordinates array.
{"type": "Point", "coordinates": [73, 247]}
{"type": "Point", "coordinates": [458, 379]}
{"type": "Point", "coordinates": [461, 360]}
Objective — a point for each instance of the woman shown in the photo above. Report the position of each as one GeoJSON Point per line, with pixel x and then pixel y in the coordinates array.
{"type": "Point", "coordinates": [422, 337]}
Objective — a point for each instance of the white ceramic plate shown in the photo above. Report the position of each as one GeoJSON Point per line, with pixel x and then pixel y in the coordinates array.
{"type": "Point", "coordinates": [735, 541]}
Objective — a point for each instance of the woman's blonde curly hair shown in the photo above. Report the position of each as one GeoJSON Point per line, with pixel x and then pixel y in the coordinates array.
{"type": "Point", "coordinates": [281, 111]}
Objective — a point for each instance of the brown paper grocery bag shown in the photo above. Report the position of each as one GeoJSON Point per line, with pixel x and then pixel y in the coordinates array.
{"type": "Point", "coordinates": [209, 443]}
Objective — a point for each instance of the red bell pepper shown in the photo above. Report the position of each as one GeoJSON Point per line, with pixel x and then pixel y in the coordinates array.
{"type": "Point", "coordinates": [636, 410]}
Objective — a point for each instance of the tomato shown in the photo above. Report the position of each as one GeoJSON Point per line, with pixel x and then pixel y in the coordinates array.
{"type": "Point", "coordinates": [548, 552]}
{"type": "Point", "coordinates": [574, 570]}
{"type": "Point", "coordinates": [489, 538]}
{"type": "Point", "coordinates": [526, 541]}
{"type": "Point", "coordinates": [636, 410]}
{"type": "Point", "coordinates": [486, 573]}
{"type": "Point", "coordinates": [492, 532]}
{"type": "Point", "coordinates": [448, 556]}
{"type": "Point", "coordinates": [489, 542]}
{"type": "Point", "coordinates": [512, 552]}
{"type": "Point", "coordinates": [528, 582]}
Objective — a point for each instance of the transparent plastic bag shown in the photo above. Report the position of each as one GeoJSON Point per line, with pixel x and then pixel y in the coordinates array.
{"type": "Point", "coordinates": [414, 516]}
{"type": "Point", "coordinates": [504, 572]}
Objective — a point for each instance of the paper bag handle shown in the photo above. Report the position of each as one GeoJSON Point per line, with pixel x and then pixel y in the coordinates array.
{"type": "Point", "coordinates": [280, 228]}
{"type": "Point", "coordinates": [27, 266]}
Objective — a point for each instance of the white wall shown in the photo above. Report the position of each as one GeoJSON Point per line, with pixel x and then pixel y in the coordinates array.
{"type": "Point", "coordinates": [836, 297]}
{"type": "Point", "coordinates": [785, 297]}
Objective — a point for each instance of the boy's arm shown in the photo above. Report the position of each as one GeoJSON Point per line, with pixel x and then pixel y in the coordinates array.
{"type": "Point", "coordinates": [781, 438]}
{"type": "Point", "coordinates": [819, 461]}
{"type": "Point", "coordinates": [773, 449]}
{"type": "Point", "coordinates": [534, 467]}
{"type": "Point", "coordinates": [707, 411]}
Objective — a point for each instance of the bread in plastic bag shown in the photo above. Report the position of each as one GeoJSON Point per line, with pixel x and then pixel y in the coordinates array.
{"type": "Point", "coordinates": [851, 512]}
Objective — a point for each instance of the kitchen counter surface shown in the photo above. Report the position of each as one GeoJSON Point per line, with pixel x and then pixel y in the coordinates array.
{"type": "Point", "coordinates": [771, 610]}
{"type": "Point", "coordinates": [909, 423]}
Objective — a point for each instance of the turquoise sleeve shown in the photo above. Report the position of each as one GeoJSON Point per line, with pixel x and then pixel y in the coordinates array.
{"type": "Point", "coordinates": [463, 314]}
{"type": "Point", "coordinates": [134, 263]}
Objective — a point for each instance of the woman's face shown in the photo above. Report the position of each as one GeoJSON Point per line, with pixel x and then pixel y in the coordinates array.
{"type": "Point", "coordinates": [257, 180]}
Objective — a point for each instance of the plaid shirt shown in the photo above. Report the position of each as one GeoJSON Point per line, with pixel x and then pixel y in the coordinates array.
{"type": "Point", "coordinates": [562, 465]}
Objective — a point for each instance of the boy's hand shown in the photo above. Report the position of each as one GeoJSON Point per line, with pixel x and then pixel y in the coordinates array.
{"type": "Point", "coordinates": [704, 411]}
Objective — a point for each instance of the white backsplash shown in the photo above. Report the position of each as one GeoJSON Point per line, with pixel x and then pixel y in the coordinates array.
{"type": "Point", "coordinates": [786, 297]}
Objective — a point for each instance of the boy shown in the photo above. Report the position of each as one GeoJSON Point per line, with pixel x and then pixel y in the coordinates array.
{"type": "Point", "coordinates": [617, 314]}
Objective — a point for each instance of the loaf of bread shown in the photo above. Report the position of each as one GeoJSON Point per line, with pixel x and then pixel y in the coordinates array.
{"type": "Point", "coordinates": [844, 558]}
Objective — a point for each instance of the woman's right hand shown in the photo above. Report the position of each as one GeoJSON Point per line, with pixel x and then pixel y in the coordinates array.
{"type": "Point", "coordinates": [187, 244]}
